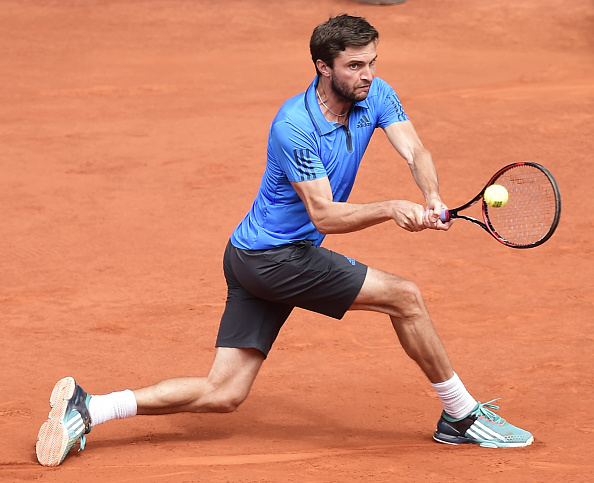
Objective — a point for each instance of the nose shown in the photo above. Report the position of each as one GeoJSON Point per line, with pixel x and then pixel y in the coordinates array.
{"type": "Point", "coordinates": [367, 73]}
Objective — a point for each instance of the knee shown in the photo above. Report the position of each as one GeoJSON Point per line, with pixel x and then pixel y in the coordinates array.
{"type": "Point", "coordinates": [409, 303]}
{"type": "Point", "coordinates": [228, 404]}
{"type": "Point", "coordinates": [222, 401]}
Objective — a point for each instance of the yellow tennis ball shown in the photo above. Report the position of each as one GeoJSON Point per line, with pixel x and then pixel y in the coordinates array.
{"type": "Point", "coordinates": [496, 195]}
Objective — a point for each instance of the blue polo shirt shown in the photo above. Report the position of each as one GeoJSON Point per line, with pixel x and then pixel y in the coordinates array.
{"type": "Point", "coordinates": [303, 145]}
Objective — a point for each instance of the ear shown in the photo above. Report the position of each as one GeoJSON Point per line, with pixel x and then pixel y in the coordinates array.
{"type": "Point", "coordinates": [323, 68]}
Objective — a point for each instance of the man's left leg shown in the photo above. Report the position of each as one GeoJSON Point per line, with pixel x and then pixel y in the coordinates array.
{"type": "Point", "coordinates": [464, 420]}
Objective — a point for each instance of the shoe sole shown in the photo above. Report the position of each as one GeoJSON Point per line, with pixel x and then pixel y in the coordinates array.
{"type": "Point", "coordinates": [445, 439]}
{"type": "Point", "coordinates": [53, 439]}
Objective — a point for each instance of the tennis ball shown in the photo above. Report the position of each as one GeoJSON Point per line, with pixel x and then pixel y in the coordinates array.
{"type": "Point", "coordinates": [496, 195]}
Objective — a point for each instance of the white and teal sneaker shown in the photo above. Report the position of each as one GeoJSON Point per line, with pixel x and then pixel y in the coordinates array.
{"type": "Point", "coordinates": [68, 422]}
{"type": "Point", "coordinates": [483, 427]}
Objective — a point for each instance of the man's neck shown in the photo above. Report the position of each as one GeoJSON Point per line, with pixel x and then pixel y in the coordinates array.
{"type": "Point", "coordinates": [333, 108]}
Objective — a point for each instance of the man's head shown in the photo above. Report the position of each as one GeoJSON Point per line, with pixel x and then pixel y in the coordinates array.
{"type": "Point", "coordinates": [334, 36]}
{"type": "Point", "coordinates": [344, 52]}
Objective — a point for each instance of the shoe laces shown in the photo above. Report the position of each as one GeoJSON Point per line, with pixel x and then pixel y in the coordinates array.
{"type": "Point", "coordinates": [484, 410]}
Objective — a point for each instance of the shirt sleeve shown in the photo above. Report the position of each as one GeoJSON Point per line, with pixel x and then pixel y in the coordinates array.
{"type": "Point", "coordinates": [390, 107]}
{"type": "Point", "coordinates": [296, 152]}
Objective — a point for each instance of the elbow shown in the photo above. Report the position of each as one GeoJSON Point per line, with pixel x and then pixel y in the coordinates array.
{"type": "Point", "coordinates": [323, 222]}
{"type": "Point", "coordinates": [321, 217]}
{"type": "Point", "coordinates": [322, 226]}
{"type": "Point", "coordinates": [409, 157]}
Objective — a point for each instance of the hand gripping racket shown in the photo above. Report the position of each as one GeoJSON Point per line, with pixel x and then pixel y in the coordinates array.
{"type": "Point", "coordinates": [532, 212]}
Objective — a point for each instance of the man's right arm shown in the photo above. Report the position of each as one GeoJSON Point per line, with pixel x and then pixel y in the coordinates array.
{"type": "Point", "coordinates": [329, 216]}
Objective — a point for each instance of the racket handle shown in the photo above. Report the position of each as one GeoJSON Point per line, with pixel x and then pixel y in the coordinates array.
{"type": "Point", "coordinates": [445, 216]}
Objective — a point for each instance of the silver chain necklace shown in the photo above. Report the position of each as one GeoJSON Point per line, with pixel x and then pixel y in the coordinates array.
{"type": "Point", "coordinates": [331, 111]}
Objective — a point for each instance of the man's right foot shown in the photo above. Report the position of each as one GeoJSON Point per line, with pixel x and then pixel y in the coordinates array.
{"type": "Point", "coordinates": [483, 427]}
{"type": "Point", "coordinates": [68, 422]}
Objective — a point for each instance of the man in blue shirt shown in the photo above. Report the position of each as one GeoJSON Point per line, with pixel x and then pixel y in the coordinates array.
{"type": "Point", "coordinates": [303, 145]}
{"type": "Point", "coordinates": [274, 260]}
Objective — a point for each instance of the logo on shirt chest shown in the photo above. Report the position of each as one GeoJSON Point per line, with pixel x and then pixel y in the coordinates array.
{"type": "Point", "coordinates": [363, 122]}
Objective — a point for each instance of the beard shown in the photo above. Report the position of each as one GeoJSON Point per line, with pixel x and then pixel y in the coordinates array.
{"type": "Point", "coordinates": [345, 92]}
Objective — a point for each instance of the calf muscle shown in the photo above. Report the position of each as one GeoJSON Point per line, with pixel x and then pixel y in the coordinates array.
{"type": "Point", "coordinates": [401, 299]}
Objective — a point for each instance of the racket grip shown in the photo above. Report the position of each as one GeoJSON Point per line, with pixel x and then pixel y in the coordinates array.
{"type": "Point", "coordinates": [445, 216]}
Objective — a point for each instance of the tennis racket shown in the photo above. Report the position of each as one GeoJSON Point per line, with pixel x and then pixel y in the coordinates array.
{"type": "Point", "coordinates": [532, 211]}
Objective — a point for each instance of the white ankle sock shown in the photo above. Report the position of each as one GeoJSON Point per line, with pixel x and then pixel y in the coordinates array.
{"type": "Point", "coordinates": [117, 405]}
{"type": "Point", "coordinates": [456, 400]}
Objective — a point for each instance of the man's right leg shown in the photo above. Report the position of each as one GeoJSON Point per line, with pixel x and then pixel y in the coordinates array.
{"type": "Point", "coordinates": [223, 390]}
{"type": "Point", "coordinates": [74, 412]}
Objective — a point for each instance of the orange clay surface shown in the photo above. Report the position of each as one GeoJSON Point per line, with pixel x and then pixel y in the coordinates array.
{"type": "Point", "coordinates": [132, 141]}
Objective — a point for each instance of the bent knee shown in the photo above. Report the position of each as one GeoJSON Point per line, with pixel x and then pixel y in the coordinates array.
{"type": "Point", "coordinates": [228, 404]}
{"type": "Point", "coordinates": [408, 300]}
{"type": "Point", "coordinates": [390, 294]}
{"type": "Point", "coordinates": [222, 401]}
{"type": "Point", "coordinates": [410, 292]}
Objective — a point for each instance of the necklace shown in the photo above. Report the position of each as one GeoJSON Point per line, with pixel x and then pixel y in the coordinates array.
{"type": "Point", "coordinates": [330, 110]}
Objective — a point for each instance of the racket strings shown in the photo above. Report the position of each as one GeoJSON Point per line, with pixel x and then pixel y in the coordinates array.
{"type": "Point", "coordinates": [531, 210]}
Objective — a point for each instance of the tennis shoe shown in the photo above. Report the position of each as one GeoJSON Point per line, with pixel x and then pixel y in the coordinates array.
{"type": "Point", "coordinates": [483, 427]}
{"type": "Point", "coordinates": [67, 423]}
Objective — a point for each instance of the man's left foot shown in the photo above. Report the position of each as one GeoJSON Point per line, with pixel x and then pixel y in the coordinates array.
{"type": "Point", "coordinates": [483, 427]}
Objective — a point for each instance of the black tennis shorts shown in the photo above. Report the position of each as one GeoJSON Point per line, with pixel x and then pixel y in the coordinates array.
{"type": "Point", "coordinates": [263, 287]}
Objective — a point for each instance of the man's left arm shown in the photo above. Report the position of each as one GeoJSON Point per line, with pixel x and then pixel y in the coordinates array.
{"type": "Point", "coordinates": [404, 138]}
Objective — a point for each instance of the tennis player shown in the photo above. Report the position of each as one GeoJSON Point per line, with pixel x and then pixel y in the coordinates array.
{"type": "Point", "coordinates": [274, 260]}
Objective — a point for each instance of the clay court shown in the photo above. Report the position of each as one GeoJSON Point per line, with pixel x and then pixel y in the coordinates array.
{"type": "Point", "coordinates": [133, 139]}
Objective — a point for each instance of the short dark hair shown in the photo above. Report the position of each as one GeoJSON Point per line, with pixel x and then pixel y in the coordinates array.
{"type": "Point", "coordinates": [329, 39]}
